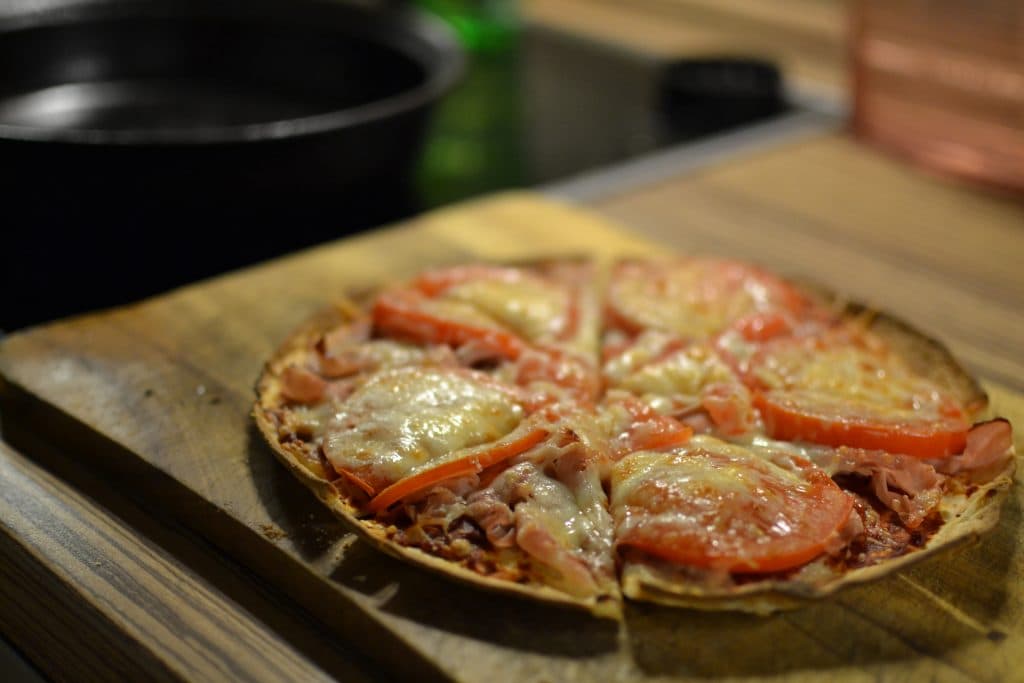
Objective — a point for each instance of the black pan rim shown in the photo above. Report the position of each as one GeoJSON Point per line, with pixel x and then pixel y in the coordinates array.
{"type": "Point", "coordinates": [416, 35]}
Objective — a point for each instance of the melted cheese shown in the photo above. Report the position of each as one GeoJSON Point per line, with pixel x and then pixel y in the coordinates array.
{"type": "Point", "coordinates": [383, 353]}
{"type": "Point", "coordinates": [707, 489]}
{"type": "Point", "coordinates": [683, 374]}
{"type": "Point", "coordinates": [460, 312]}
{"type": "Point", "coordinates": [850, 380]}
{"type": "Point", "coordinates": [532, 308]}
{"type": "Point", "coordinates": [565, 526]}
{"type": "Point", "coordinates": [695, 298]}
{"type": "Point", "coordinates": [409, 419]}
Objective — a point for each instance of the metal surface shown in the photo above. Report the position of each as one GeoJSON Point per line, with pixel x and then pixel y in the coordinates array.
{"type": "Point", "coordinates": [139, 72]}
{"type": "Point", "coordinates": [146, 143]}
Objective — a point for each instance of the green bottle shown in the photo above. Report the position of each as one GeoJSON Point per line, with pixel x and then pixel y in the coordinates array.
{"type": "Point", "coordinates": [474, 145]}
{"type": "Point", "coordinates": [484, 26]}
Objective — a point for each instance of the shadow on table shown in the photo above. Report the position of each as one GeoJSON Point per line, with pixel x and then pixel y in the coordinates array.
{"type": "Point", "coordinates": [412, 593]}
{"type": "Point", "coordinates": [929, 611]}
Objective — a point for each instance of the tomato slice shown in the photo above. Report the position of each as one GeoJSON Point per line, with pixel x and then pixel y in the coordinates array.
{"type": "Point", "coordinates": [728, 406]}
{"type": "Point", "coordinates": [788, 418]}
{"type": "Point", "coordinates": [407, 316]}
{"type": "Point", "coordinates": [636, 426]}
{"type": "Point", "coordinates": [720, 506]}
{"type": "Point", "coordinates": [469, 464]}
{"type": "Point", "coordinates": [566, 370]}
{"type": "Point", "coordinates": [538, 306]}
{"type": "Point", "coordinates": [845, 388]}
{"type": "Point", "coordinates": [498, 310]}
{"type": "Point", "coordinates": [759, 327]}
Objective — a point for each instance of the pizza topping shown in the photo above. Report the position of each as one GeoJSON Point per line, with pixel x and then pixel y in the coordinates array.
{"type": "Point", "coordinates": [825, 420]}
{"type": "Point", "coordinates": [459, 465]}
{"type": "Point", "coordinates": [697, 298]}
{"type": "Point", "coordinates": [680, 380]}
{"type": "Point", "coordinates": [554, 373]}
{"type": "Point", "coordinates": [436, 282]}
{"type": "Point", "coordinates": [532, 308]}
{"type": "Point", "coordinates": [378, 353]}
{"type": "Point", "coordinates": [404, 420]}
{"type": "Point", "coordinates": [988, 444]}
{"type": "Point", "coordinates": [343, 337]}
{"type": "Point", "coordinates": [411, 316]}
{"type": "Point", "coordinates": [629, 425]}
{"type": "Point", "coordinates": [908, 486]}
{"type": "Point", "coordinates": [498, 310]}
{"type": "Point", "coordinates": [730, 407]}
{"type": "Point", "coordinates": [884, 534]}
{"type": "Point", "coordinates": [717, 505]}
{"type": "Point", "coordinates": [302, 386]}
{"type": "Point", "coordinates": [563, 525]}
{"type": "Point", "coordinates": [844, 392]}
{"type": "Point", "coordinates": [494, 516]}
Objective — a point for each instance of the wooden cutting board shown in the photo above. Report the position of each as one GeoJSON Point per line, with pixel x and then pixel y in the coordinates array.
{"type": "Point", "coordinates": [157, 397]}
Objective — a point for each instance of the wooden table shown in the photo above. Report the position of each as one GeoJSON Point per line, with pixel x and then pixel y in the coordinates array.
{"type": "Point", "coordinates": [159, 538]}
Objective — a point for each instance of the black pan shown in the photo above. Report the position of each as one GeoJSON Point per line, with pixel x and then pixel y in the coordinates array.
{"type": "Point", "coordinates": [144, 143]}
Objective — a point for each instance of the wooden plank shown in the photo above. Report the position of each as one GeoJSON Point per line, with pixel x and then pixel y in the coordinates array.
{"type": "Point", "coordinates": [159, 393]}
{"type": "Point", "coordinates": [88, 599]}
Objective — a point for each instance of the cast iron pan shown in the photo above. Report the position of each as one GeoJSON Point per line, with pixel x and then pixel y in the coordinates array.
{"type": "Point", "coordinates": [145, 143]}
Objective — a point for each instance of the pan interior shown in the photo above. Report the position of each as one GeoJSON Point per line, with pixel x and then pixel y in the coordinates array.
{"type": "Point", "coordinates": [160, 73]}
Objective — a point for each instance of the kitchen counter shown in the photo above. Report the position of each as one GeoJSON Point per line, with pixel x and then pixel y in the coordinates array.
{"type": "Point", "coordinates": [97, 583]}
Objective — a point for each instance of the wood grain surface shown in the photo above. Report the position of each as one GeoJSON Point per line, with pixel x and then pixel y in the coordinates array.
{"type": "Point", "coordinates": [77, 584]}
{"type": "Point", "coordinates": [157, 396]}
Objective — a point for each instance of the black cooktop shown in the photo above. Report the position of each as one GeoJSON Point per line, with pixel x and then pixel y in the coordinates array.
{"type": "Point", "coordinates": [550, 107]}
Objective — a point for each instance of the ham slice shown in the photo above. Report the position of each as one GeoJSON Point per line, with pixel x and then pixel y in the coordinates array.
{"type": "Point", "coordinates": [906, 485]}
{"type": "Point", "coordinates": [988, 444]}
{"type": "Point", "coordinates": [342, 338]}
{"type": "Point", "coordinates": [302, 386]}
{"type": "Point", "coordinates": [535, 537]}
{"type": "Point", "coordinates": [494, 516]}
